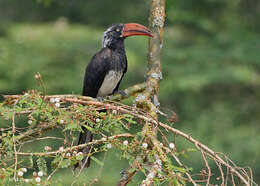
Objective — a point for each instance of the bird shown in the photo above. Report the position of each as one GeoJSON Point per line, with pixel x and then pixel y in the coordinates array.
{"type": "Point", "coordinates": [106, 69]}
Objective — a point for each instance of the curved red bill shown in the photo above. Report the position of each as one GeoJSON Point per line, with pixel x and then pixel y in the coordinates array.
{"type": "Point", "coordinates": [134, 29]}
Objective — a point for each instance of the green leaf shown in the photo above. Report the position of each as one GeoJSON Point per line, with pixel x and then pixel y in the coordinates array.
{"type": "Point", "coordinates": [130, 120]}
{"type": "Point", "coordinates": [180, 169]}
{"type": "Point", "coordinates": [65, 163]}
{"type": "Point", "coordinates": [79, 157]}
{"type": "Point", "coordinates": [56, 161]}
{"type": "Point", "coordinates": [41, 163]}
{"type": "Point", "coordinates": [97, 161]}
{"type": "Point", "coordinates": [89, 128]}
{"type": "Point", "coordinates": [72, 126]}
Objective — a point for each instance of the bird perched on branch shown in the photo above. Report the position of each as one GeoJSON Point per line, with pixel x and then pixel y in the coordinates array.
{"type": "Point", "coordinates": [106, 70]}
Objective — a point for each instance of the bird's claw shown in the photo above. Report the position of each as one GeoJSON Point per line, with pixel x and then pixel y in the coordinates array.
{"type": "Point", "coordinates": [122, 93]}
{"type": "Point", "coordinates": [100, 99]}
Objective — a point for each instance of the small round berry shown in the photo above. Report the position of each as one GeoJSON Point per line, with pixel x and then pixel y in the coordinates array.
{"type": "Point", "coordinates": [79, 153]}
{"type": "Point", "coordinates": [52, 100]}
{"type": "Point", "coordinates": [57, 100]}
{"type": "Point", "coordinates": [171, 145]}
{"type": "Point", "coordinates": [37, 76]}
{"type": "Point", "coordinates": [24, 169]}
{"type": "Point", "coordinates": [68, 154]}
{"type": "Point", "coordinates": [61, 149]}
{"type": "Point", "coordinates": [98, 120]}
{"type": "Point", "coordinates": [47, 148]}
{"type": "Point", "coordinates": [151, 175]}
{"type": "Point", "coordinates": [38, 179]}
{"type": "Point", "coordinates": [125, 142]}
{"type": "Point", "coordinates": [144, 145]}
{"type": "Point", "coordinates": [114, 112]}
{"type": "Point", "coordinates": [29, 122]}
{"type": "Point", "coordinates": [61, 121]}
{"type": "Point", "coordinates": [35, 174]}
{"type": "Point", "coordinates": [109, 145]}
{"type": "Point", "coordinates": [159, 162]}
{"type": "Point", "coordinates": [20, 173]}
{"type": "Point", "coordinates": [57, 105]}
{"type": "Point", "coordinates": [40, 173]}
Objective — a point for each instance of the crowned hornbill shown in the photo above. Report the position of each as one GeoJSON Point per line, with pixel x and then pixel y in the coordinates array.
{"type": "Point", "coordinates": [107, 68]}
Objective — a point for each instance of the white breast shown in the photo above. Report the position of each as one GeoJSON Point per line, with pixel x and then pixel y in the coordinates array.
{"type": "Point", "coordinates": [110, 82]}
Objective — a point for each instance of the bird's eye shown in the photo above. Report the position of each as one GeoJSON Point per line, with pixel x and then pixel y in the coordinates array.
{"type": "Point", "coordinates": [118, 30]}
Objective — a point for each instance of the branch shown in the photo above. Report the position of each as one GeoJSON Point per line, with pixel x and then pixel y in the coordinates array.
{"type": "Point", "coordinates": [205, 148]}
{"type": "Point", "coordinates": [13, 138]}
{"type": "Point", "coordinates": [81, 146]}
{"type": "Point", "coordinates": [149, 121]}
{"type": "Point", "coordinates": [154, 73]}
{"type": "Point", "coordinates": [149, 100]}
{"type": "Point", "coordinates": [38, 131]}
{"type": "Point", "coordinates": [130, 91]}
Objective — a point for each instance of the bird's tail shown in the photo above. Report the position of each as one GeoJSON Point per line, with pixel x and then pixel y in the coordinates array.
{"type": "Point", "coordinates": [85, 137]}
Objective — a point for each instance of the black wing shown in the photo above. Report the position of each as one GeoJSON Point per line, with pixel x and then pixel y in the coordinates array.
{"type": "Point", "coordinates": [94, 76]}
{"type": "Point", "coordinates": [96, 72]}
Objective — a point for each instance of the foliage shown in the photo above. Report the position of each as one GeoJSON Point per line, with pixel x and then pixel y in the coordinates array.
{"type": "Point", "coordinates": [98, 13]}
{"type": "Point", "coordinates": [47, 114]}
{"type": "Point", "coordinates": [206, 16]}
{"type": "Point", "coordinates": [157, 160]}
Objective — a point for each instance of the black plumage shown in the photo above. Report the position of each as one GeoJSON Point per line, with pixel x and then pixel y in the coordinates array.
{"type": "Point", "coordinates": [105, 61]}
{"type": "Point", "coordinates": [106, 70]}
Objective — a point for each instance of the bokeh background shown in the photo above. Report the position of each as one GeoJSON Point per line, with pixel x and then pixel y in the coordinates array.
{"type": "Point", "coordinates": [210, 64]}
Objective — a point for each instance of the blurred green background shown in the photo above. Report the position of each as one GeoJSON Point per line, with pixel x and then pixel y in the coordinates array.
{"type": "Point", "coordinates": [210, 64]}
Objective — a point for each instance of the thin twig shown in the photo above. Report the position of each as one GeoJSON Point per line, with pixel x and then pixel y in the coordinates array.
{"type": "Point", "coordinates": [99, 171]}
{"type": "Point", "coordinates": [69, 149]}
{"type": "Point", "coordinates": [130, 91]}
{"type": "Point", "coordinates": [187, 173]}
{"type": "Point", "coordinates": [55, 170]}
{"type": "Point", "coordinates": [13, 131]}
{"type": "Point", "coordinates": [207, 165]}
{"type": "Point", "coordinates": [38, 139]}
{"type": "Point", "coordinates": [204, 147]}
{"type": "Point", "coordinates": [221, 173]}
{"type": "Point", "coordinates": [82, 167]}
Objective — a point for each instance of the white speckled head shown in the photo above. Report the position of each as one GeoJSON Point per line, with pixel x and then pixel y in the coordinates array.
{"type": "Point", "coordinates": [106, 40]}
{"type": "Point", "coordinates": [112, 34]}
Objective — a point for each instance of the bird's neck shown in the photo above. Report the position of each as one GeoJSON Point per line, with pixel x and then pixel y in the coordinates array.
{"type": "Point", "coordinates": [118, 46]}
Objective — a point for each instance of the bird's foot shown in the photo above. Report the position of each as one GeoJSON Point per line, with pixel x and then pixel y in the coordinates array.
{"type": "Point", "coordinates": [122, 93]}
{"type": "Point", "coordinates": [100, 99]}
